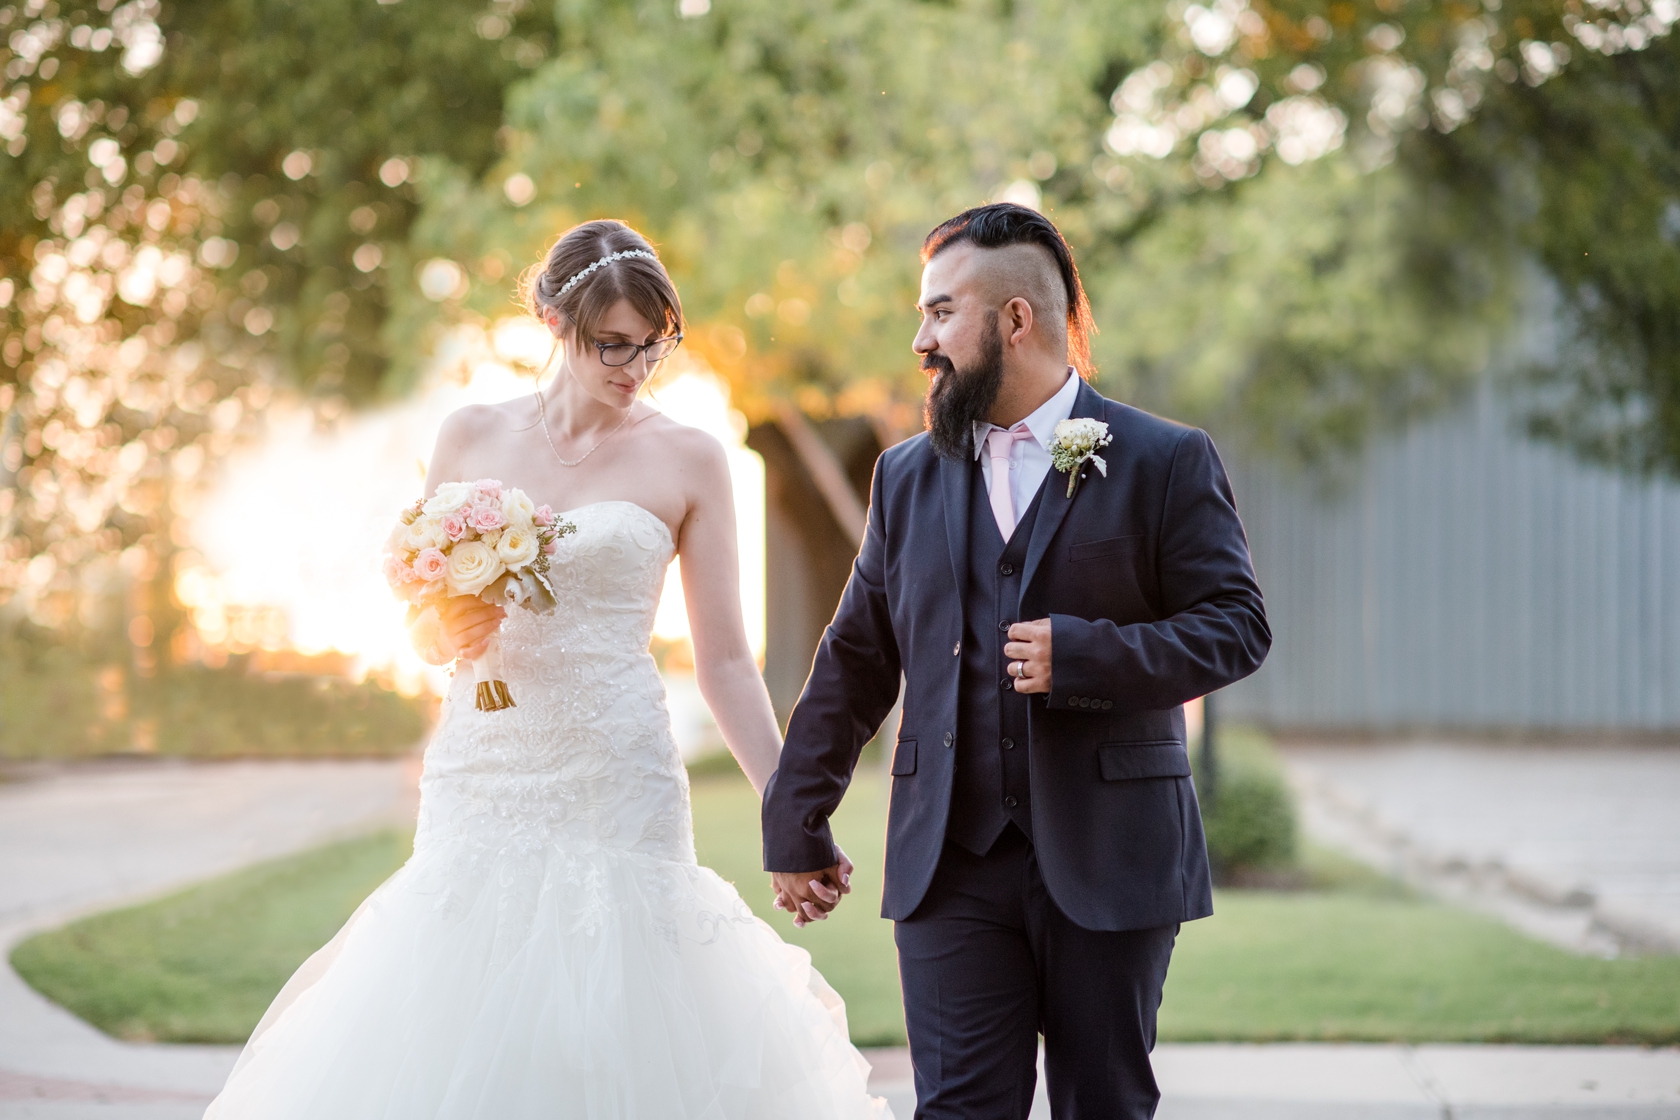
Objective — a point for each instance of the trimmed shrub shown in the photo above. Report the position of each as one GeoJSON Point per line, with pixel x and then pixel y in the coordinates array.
{"type": "Point", "coordinates": [1250, 819]}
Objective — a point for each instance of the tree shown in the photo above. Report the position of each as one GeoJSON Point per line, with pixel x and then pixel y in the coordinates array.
{"type": "Point", "coordinates": [203, 201]}
{"type": "Point", "coordinates": [1490, 143]}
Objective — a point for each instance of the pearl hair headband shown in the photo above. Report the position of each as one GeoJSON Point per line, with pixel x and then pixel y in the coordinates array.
{"type": "Point", "coordinates": [606, 260]}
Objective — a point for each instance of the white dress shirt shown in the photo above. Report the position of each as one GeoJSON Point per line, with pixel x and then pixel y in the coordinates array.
{"type": "Point", "coordinates": [1029, 459]}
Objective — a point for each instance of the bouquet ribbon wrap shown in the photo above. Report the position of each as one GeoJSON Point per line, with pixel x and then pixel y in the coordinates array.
{"type": "Point", "coordinates": [492, 691]}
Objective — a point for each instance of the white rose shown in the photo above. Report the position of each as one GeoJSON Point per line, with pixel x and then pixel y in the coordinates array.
{"type": "Point", "coordinates": [426, 533]}
{"type": "Point", "coordinates": [450, 497]}
{"type": "Point", "coordinates": [517, 507]}
{"type": "Point", "coordinates": [517, 547]}
{"type": "Point", "coordinates": [472, 568]}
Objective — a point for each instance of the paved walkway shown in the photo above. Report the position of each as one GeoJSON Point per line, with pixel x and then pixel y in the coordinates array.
{"type": "Point", "coordinates": [85, 840]}
{"type": "Point", "coordinates": [1579, 846]}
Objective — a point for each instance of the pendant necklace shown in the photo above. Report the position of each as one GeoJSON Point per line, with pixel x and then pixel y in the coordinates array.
{"type": "Point", "coordinates": [565, 462]}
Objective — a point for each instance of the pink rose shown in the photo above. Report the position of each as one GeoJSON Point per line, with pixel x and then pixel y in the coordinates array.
{"type": "Point", "coordinates": [489, 487]}
{"type": "Point", "coordinates": [397, 573]}
{"type": "Point", "coordinates": [544, 516]}
{"type": "Point", "coordinates": [431, 564]}
{"type": "Point", "coordinates": [551, 548]}
{"type": "Point", "coordinates": [454, 525]}
{"type": "Point", "coordinates": [486, 518]}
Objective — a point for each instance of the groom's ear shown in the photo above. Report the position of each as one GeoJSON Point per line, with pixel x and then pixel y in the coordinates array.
{"type": "Point", "coordinates": [1016, 321]}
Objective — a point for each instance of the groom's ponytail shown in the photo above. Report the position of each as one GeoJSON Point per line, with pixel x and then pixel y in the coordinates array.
{"type": "Point", "coordinates": [1002, 224]}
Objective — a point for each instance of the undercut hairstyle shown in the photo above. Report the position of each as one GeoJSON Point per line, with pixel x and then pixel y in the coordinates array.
{"type": "Point", "coordinates": [640, 280]}
{"type": "Point", "coordinates": [1001, 225]}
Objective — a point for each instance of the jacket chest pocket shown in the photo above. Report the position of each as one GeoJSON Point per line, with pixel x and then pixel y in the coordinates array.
{"type": "Point", "coordinates": [1106, 547]}
{"type": "Point", "coordinates": [904, 758]}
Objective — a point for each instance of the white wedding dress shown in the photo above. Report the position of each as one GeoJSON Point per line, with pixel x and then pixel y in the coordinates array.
{"type": "Point", "coordinates": [552, 949]}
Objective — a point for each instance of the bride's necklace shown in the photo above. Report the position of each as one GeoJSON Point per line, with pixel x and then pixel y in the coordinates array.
{"type": "Point", "coordinates": [565, 462]}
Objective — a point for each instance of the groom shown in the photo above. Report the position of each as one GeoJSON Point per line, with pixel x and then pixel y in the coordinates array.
{"type": "Point", "coordinates": [1043, 843]}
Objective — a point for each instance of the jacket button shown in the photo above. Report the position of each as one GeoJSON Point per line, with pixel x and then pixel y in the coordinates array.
{"type": "Point", "coordinates": [948, 738]}
{"type": "Point", "coordinates": [1084, 701]}
{"type": "Point", "coordinates": [1107, 704]}
{"type": "Point", "coordinates": [956, 649]}
{"type": "Point", "coordinates": [1006, 569]}
{"type": "Point", "coordinates": [1004, 683]}
{"type": "Point", "coordinates": [1011, 802]}
{"type": "Point", "coordinates": [1073, 701]}
{"type": "Point", "coordinates": [1004, 626]}
{"type": "Point", "coordinates": [1009, 744]}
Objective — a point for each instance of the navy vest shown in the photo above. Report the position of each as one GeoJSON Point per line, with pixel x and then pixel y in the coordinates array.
{"type": "Point", "coordinates": [990, 787]}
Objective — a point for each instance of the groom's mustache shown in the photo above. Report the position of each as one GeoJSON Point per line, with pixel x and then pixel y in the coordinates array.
{"type": "Point", "coordinates": [933, 361]}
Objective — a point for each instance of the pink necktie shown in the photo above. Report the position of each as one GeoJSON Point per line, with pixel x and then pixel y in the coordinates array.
{"type": "Point", "coordinates": [1000, 446]}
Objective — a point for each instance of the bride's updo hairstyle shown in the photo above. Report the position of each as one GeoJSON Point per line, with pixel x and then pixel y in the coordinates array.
{"type": "Point", "coordinates": [639, 279]}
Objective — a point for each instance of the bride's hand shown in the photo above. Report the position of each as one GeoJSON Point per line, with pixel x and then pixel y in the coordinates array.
{"type": "Point", "coordinates": [468, 624]}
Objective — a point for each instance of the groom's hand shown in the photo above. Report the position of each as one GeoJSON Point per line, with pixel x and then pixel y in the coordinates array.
{"type": "Point", "coordinates": [1028, 651]}
{"type": "Point", "coordinates": [810, 895]}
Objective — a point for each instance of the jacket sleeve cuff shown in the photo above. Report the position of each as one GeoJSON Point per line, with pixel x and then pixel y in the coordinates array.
{"type": "Point", "coordinates": [1080, 678]}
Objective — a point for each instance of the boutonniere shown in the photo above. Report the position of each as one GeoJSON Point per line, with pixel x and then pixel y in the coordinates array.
{"type": "Point", "coordinates": [1076, 443]}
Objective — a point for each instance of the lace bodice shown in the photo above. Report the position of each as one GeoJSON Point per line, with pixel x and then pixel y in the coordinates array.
{"type": "Point", "coordinates": [586, 757]}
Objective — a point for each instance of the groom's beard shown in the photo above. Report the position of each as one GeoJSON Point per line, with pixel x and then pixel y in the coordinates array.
{"type": "Point", "coordinates": [956, 398]}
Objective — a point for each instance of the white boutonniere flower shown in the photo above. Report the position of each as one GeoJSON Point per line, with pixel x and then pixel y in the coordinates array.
{"type": "Point", "coordinates": [1075, 443]}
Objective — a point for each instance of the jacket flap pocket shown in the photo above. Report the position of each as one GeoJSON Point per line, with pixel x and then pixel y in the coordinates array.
{"type": "Point", "coordinates": [1164, 759]}
{"type": "Point", "coordinates": [904, 757]}
{"type": "Point", "coordinates": [1108, 546]}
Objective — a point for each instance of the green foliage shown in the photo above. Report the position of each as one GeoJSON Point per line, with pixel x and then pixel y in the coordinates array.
{"type": "Point", "coordinates": [203, 965]}
{"type": "Point", "coordinates": [58, 701]}
{"type": "Point", "coordinates": [1518, 164]}
{"type": "Point", "coordinates": [1250, 816]}
{"type": "Point", "coordinates": [789, 158]}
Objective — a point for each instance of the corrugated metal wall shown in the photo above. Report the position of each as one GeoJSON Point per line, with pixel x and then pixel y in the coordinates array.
{"type": "Point", "coordinates": [1465, 577]}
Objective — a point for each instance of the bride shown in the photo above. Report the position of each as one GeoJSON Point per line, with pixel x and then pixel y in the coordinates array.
{"type": "Point", "coordinates": [552, 949]}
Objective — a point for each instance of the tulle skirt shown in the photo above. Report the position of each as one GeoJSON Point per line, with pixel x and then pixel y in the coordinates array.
{"type": "Point", "coordinates": [570, 982]}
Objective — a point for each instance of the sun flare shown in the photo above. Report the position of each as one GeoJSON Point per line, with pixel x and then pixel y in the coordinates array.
{"type": "Point", "coordinates": [322, 590]}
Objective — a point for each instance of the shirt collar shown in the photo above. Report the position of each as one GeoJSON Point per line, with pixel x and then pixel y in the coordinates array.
{"type": "Point", "coordinates": [1043, 420]}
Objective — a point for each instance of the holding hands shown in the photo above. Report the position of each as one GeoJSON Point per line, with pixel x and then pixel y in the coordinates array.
{"type": "Point", "coordinates": [810, 895]}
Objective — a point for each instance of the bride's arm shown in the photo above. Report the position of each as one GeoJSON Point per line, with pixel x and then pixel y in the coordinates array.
{"type": "Point", "coordinates": [724, 667]}
{"type": "Point", "coordinates": [463, 626]}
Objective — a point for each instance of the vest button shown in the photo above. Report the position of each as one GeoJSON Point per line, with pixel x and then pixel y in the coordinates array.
{"type": "Point", "coordinates": [1006, 569]}
{"type": "Point", "coordinates": [948, 738]}
{"type": "Point", "coordinates": [1009, 744]}
{"type": "Point", "coordinates": [956, 649]}
{"type": "Point", "coordinates": [1011, 802]}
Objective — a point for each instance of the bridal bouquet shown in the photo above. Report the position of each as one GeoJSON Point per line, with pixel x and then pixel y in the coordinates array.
{"type": "Point", "coordinates": [479, 539]}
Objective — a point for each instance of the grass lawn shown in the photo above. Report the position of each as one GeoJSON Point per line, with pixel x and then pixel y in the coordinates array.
{"type": "Point", "coordinates": [1356, 958]}
{"type": "Point", "coordinates": [203, 965]}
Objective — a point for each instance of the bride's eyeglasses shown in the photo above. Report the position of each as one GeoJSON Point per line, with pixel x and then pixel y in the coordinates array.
{"type": "Point", "coordinates": [623, 353]}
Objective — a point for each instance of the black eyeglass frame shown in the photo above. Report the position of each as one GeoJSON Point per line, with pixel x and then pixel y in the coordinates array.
{"type": "Point", "coordinates": [602, 347]}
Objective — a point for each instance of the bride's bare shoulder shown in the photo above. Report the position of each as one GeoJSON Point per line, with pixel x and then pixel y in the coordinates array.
{"type": "Point", "coordinates": [480, 421]}
{"type": "Point", "coordinates": [682, 445]}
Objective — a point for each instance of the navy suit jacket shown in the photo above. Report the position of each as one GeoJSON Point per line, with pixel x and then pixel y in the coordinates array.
{"type": "Point", "coordinates": [1145, 576]}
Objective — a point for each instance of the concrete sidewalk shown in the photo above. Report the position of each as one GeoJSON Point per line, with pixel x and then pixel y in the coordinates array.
{"type": "Point", "coordinates": [1576, 845]}
{"type": "Point", "coordinates": [1291, 1081]}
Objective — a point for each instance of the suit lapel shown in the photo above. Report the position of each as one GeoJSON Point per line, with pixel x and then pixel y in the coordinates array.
{"type": "Point", "coordinates": [955, 476]}
{"type": "Point", "coordinates": [1055, 503]}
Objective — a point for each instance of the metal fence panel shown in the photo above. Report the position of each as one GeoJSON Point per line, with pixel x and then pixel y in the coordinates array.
{"type": "Point", "coordinates": [1464, 576]}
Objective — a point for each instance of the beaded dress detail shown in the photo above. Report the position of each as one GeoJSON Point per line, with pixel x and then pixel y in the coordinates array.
{"type": "Point", "coordinates": [551, 949]}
